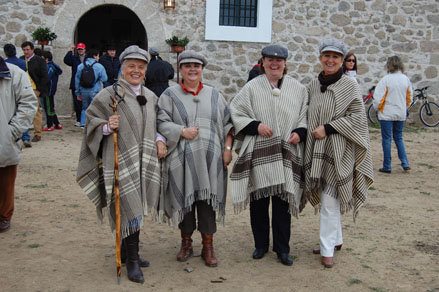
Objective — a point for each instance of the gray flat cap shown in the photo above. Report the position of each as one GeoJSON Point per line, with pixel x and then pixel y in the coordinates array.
{"type": "Point", "coordinates": [190, 56]}
{"type": "Point", "coordinates": [275, 51]}
{"type": "Point", "coordinates": [333, 45]}
{"type": "Point", "coordinates": [134, 52]}
{"type": "Point", "coordinates": [153, 51]}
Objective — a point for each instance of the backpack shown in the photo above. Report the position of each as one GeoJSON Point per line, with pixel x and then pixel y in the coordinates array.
{"type": "Point", "coordinates": [87, 79]}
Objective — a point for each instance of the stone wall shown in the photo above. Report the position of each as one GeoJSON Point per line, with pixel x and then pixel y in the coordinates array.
{"type": "Point", "coordinates": [373, 29]}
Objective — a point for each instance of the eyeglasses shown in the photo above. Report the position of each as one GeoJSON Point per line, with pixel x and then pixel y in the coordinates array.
{"type": "Point", "coordinates": [350, 60]}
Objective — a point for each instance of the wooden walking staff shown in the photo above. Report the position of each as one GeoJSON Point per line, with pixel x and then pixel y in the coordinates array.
{"type": "Point", "coordinates": [116, 195]}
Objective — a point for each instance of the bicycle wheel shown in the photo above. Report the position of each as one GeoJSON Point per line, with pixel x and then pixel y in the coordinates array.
{"type": "Point", "coordinates": [429, 114]}
{"type": "Point", "coordinates": [372, 115]}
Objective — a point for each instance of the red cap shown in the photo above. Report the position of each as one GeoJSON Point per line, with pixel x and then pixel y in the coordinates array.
{"type": "Point", "coordinates": [80, 46]}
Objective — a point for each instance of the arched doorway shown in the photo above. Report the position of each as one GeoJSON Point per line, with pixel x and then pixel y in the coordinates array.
{"type": "Point", "coordinates": [110, 24]}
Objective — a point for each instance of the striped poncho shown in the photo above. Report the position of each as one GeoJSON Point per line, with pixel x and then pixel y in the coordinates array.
{"type": "Point", "coordinates": [193, 169]}
{"type": "Point", "coordinates": [342, 160]}
{"type": "Point", "coordinates": [269, 166]}
{"type": "Point", "coordinates": [139, 168]}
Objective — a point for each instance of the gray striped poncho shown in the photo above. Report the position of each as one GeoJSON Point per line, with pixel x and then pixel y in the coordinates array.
{"type": "Point", "coordinates": [269, 166]}
{"type": "Point", "coordinates": [193, 169]}
{"type": "Point", "coordinates": [139, 168]}
{"type": "Point", "coordinates": [342, 160]}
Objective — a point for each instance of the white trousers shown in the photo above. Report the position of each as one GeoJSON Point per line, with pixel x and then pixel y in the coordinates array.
{"type": "Point", "coordinates": [330, 222]}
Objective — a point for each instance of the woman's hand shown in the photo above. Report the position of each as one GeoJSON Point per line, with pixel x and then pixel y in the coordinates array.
{"type": "Point", "coordinates": [113, 122]}
{"type": "Point", "coordinates": [227, 157]}
{"type": "Point", "coordinates": [161, 149]}
{"type": "Point", "coordinates": [189, 133]}
{"type": "Point", "coordinates": [265, 131]}
{"type": "Point", "coordinates": [319, 133]}
{"type": "Point", "coordinates": [294, 138]}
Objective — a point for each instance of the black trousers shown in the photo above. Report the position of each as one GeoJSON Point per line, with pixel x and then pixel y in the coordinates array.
{"type": "Point", "coordinates": [280, 222]}
{"type": "Point", "coordinates": [51, 117]}
{"type": "Point", "coordinates": [77, 105]}
{"type": "Point", "coordinates": [206, 219]}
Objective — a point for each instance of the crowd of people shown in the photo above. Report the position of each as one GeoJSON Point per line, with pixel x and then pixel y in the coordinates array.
{"type": "Point", "coordinates": [294, 143]}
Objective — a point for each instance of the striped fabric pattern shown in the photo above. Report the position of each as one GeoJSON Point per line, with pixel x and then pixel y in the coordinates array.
{"type": "Point", "coordinates": [193, 169]}
{"type": "Point", "coordinates": [342, 160]}
{"type": "Point", "coordinates": [139, 168]}
{"type": "Point", "coordinates": [269, 166]}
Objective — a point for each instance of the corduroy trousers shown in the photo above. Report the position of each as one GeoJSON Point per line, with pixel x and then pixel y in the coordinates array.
{"type": "Point", "coordinates": [206, 219]}
{"type": "Point", "coordinates": [7, 185]}
{"type": "Point", "coordinates": [280, 224]}
{"type": "Point", "coordinates": [38, 119]}
{"type": "Point", "coordinates": [330, 222]}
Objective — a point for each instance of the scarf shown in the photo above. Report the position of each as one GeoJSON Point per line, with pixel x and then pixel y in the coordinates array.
{"type": "Point", "coordinates": [4, 70]}
{"type": "Point", "coordinates": [326, 80]}
{"type": "Point", "coordinates": [269, 166]}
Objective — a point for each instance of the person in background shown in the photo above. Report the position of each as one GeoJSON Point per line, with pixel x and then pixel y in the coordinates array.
{"type": "Point", "coordinates": [158, 73]}
{"type": "Point", "coordinates": [392, 96]}
{"type": "Point", "coordinates": [18, 106]}
{"type": "Point", "coordinates": [338, 161]}
{"type": "Point", "coordinates": [73, 60]}
{"type": "Point", "coordinates": [139, 151]}
{"type": "Point", "coordinates": [11, 58]}
{"type": "Point", "coordinates": [86, 95]}
{"type": "Point", "coordinates": [195, 119]}
{"type": "Point", "coordinates": [111, 64]}
{"type": "Point", "coordinates": [350, 65]}
{"type": "Point", "coordinates": [269, 116]}
{"type": "Point", "coordinates": [53, 71]}
{"type": "Point", "coordinates": [37, 70]}
{"type": "Point", "coordinates": [255, 71]}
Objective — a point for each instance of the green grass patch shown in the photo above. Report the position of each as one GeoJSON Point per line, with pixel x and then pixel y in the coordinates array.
{"type": "Point", "coordinates": [425, 193]}
{"type": "Point", "coordinates": [34, 245]}
{"type": "Point", "coordinates": [375, 289]}
{"type": "Point", "coordinates": [372, 189]}
{"type": "Point", "coordinates": [366, 266]}
{"type": "Point", "coordinates": [429, 166]}
{"type": "Point", "coordinates": [414, 129]}
{"type": "Point", "coordinates": [36, 186]}
{"type": "Point", "coordinates": [74, 206]}
{"type": "Point", "coordinates": [354, 282]}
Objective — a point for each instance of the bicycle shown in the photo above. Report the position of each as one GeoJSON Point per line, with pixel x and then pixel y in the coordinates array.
{"type": "Point", "coordinates": [371, 112]}
{"type": "Point", "coordinates": [428, 111]}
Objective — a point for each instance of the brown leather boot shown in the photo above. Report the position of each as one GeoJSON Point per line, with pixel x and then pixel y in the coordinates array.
{"type": "Point", "coordinates": [207, 252]}
{"type": "Point", "coordinates": [186, 250]}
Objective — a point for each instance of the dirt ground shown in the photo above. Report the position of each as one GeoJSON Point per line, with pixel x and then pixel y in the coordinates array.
{"type": "Point", "coordinates": [56, 244]}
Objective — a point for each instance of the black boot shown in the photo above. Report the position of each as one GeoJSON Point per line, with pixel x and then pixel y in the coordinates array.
{"type": "Point", "coordinates": [132, 246]}
{"type": "Point", "coordinates": [123, 256]}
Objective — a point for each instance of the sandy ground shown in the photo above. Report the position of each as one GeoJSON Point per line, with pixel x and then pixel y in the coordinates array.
{"type": "Point", "coordinates": [56, 244]}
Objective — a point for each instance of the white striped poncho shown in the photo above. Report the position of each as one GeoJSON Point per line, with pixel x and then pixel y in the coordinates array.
{"type": "Point", "coordinates": [269, 166]}
{"type": "Point", "coordinates": [139, 168]}
{"type": "Point", "coordinates": [342, 160]}
{"type": "Point", "coordinates": [193, 169]}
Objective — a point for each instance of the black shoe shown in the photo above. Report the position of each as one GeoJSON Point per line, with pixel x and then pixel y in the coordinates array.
{"type": "Point", "coordinates": [27, 143]}
{"type": "Point", "coordinates": [384, 170]}
{"type": "Point", "coordinates": [123, 256]}
{"type": "Point", "coordinates": [407, 168]}
{"type": "Point", "coordinates": [285, 259]}
{"type": "Point", "coordinates": [259, 253]}
{"type": "Point", "coordinates": [36, 139]}
{"type": "Point", "coordinates": [4, 225]}
{"type": "Point", "coordinates": [133, 268]}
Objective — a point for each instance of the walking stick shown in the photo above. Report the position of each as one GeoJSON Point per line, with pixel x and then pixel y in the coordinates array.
{"type": "Point", "coordinates": [116, 195]}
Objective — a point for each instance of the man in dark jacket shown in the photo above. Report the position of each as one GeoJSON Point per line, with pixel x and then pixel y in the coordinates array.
{"type": "Point", "coordinates": [111, 64]}
{"type": "Point", "coordinates": [53, 71]}
{"type": "Point", "coordinates": [37, 70]}
{"type": "Point", "coordinates": [158, 73]}
{"type": "Point", "coordinates": [73, 60]}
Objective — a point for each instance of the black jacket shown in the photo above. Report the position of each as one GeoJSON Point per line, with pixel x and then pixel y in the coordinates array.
{"type": "Point", "coordinates": [37, 68]}
{"type": "Point", "coordinates": [73, 61]}
{"type": "Point", "coordinates": [158, 73]}
{"type": "Point", "coordinates": [112, 67]}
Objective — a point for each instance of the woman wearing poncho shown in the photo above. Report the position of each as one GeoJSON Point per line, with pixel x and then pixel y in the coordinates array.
{"type": "Point", "coordinates": [195, 120]}
{"type": "Point", "coordinates": [338, 161]}
{"type": "Point", "coordinates": [139, 169]}
{"type": "Point", "coordinates": [269, 116]}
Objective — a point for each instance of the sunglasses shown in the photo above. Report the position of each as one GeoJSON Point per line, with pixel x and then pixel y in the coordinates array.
{"type": "Point", "coordinates": [350, 60]}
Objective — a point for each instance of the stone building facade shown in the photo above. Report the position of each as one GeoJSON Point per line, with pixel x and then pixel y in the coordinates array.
{"type": "Point", "coordinates": [373, 29]}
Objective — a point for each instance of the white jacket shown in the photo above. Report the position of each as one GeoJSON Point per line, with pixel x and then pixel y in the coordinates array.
{"type": "Point", "coordinates": [392, 96]}
{"type": "Point", "coordinates": [18, 105]}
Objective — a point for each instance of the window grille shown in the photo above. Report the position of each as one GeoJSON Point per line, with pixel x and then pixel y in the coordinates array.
{"type": "Point", "coordinates": [238, 13]}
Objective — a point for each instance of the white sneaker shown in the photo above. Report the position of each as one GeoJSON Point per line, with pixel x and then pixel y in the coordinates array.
{"type": "Point", "coordinates": [77, 124]}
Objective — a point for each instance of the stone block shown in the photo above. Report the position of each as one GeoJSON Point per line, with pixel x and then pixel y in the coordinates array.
{"type": "Point", "coordinates": [292, 47]}
{"type": "Point", "coordinates": [434, 59]}
{"type": "Point", "coordinates": [430, 46]}
{"type": "Point", "coordinates": [349, 29]}
{"type": "Point", "coordinates": [431, 72]}
{"type": "Point", "coordinates": [312, 41]}
{"type": "Point", "coordinates": [298, 39]}
{"type": "Point", "coordinates": [225, 80]}
{"type": "Point", "coordinates": [2, 30]}
{"type": "Point", "coordinates": [29, 28]}
{"type": "Point", "coordinates": [390, 28]}
{"type": "Point", "coordinates": [303, 68]}
{"type": "Point", "coordinates": [380, 35]}
{"type": "Point", "coordinates": [19, 15]}
{"type": "Point", "coordinates": [360, 5]}
{"type": "Point", "coordinates": [399, 38]}
{"type": "Point", "coordinates": [241, 82]}
{"type": "Point", "coordinates": [36, 20]}
{"type": "Point", "coordinates": [340, 19]}
{"type": "Point", "coordinates": [13, 26]}
{"type": "Point", "coordinates": [362, 68]}
{"type": "Point", "coordinates": [373, 50]}
{"type": "Point", "coordinates": [209, 76]}
{"type": "Point", "coordinates": [212, 67]}
{"type": "Point", "coordinates": [405, 47]}
{"type": "Point", "coordinates": [433, 19]}
{"type": "Point", "coordinates": [211, 47]}
{"type": "Point", "coordinates": [49, 10]}
{"type": "Point", "coordinates": [344, 6]}
{"type": "Point", "coordinates": [298, 57]}
{"type": "Point", "coordinates": [223, 46]}
{"type": "Point", "coordinates": [399, 20]}
{"type": "Point", "coordinates": [278, 27]}
{"type": "Point", "coordinates": [230, 90]}
{"type": "Point", "coordinates": [19, 39]}
{"type": "Point", "coordinates": [416, 78]}
{"type": "Point", "coordinates": [379, 5]}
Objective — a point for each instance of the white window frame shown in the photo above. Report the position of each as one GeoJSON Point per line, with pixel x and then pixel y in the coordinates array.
{"type": "Point", "coordinates": [261, 33]}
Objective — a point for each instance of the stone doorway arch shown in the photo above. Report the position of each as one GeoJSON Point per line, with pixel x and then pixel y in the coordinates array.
{"type": "Point", "coordinates": [110, 24]}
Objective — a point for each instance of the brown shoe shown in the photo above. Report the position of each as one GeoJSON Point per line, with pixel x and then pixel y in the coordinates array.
{"type": "Point", "coordinates": [328, 262]}
{"type": "Point", "coordinates": [4, 225]}
{"type": "Point", "coordinates": [186, 250]}
{"type": "Point", "coordinates": [207, 252]}
{"type": "Point", "coordinates": [317, 249]}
